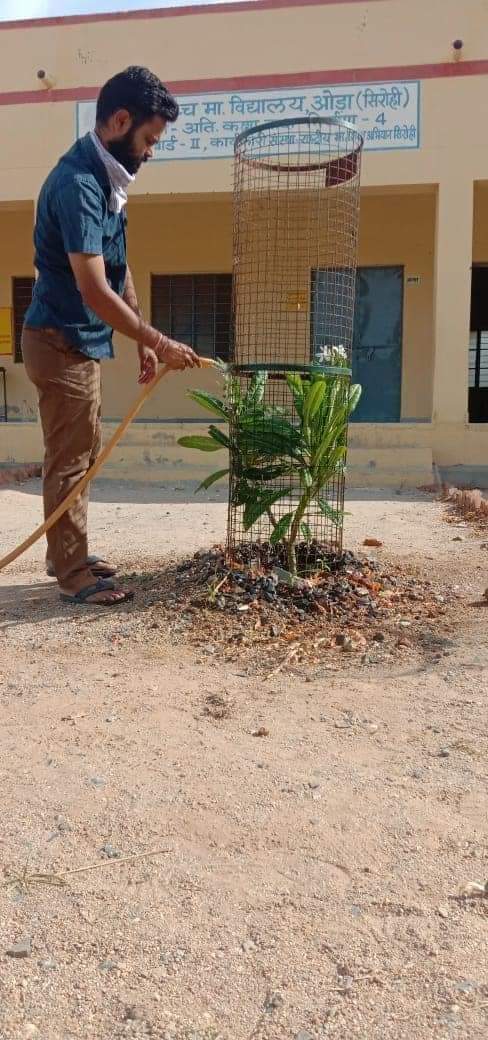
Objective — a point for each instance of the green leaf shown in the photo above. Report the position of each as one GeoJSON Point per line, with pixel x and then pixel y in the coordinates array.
{"type": "Point", "coordinates": [313, 400]}
{"type": "Point", "coordinates": [295, 384]}
{"type": "Point", "coordinates": [243, 493]}
{"type": "Point", "coordinates": [255, 394]}
{"type": "Point", "coordinates": [210, 402]}
{"type": "Point", "coordinates": [200, 443]}
{"type": "Point", "coordinates": [263, 473]}
{"type": "Point", "coordinates": [218, 435]}
{"type": "Point", "coordinates": [268, 436]}
{"type": "Point", "coordinates": [327, 466]}
{"type": "Point", "coordinates": [281, 528]}
{"type": "Point", "coordinates": [307, 534]}
{"type": "Point", "coordinates": [212, 479]}
{"type": "Point", "coordinates": [355, 392]}
{"type": "Point", "coordinates": [264, 424]}
{"type": "Point", "coordinates": [255, 508]}
{"type": "Point", "coordinates": [335, 515]}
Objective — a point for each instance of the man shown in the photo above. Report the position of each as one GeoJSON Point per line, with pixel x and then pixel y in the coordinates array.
{"type": "Point", "coordinates": [83, 292]}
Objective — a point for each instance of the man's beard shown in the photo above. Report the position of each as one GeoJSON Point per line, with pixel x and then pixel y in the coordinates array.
{"type": "Point", "coordinates": [123, 152]}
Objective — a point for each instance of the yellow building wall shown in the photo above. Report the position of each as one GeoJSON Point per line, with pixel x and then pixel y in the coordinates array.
{"type": "Point", "coordinates": [480, 224]}
{"type": "Point", "coordinates": [239, 43]}
{"type": "Point", "coordinates": [195, 236]}
{"type": "Point", "coordinates": [16, 253]}
{"type": "Point", "coordinates": [246, 43]}
{"type": "Point", "coordinates": [449, 147]}
{"type": "Point", "coordinates": [186, 226]}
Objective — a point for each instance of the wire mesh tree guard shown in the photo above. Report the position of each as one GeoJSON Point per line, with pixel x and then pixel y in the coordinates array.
{"type": "Point", "coordinates": [296, 221]}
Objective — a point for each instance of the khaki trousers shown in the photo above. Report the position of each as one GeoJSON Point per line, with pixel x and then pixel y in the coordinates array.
{"type": "Point", "coordinates": [68, 385]}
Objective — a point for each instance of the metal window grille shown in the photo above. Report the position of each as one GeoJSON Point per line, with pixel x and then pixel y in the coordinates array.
{"type": "Point", "coordinates": [194, 309]}
{"type": "Point", "coordinates": [478, 359]}
{"type": "Point", "coordinates": [21, 298]}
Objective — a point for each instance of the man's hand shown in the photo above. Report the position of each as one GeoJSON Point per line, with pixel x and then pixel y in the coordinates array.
{"type": "Point", "coordinates": [148, 364]}
{"type": "Point", "coordinates": [177, 355]}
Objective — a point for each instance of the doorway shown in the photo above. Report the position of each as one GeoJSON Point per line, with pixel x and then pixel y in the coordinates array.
{"type": "Point", "coordinates": [478, 346]}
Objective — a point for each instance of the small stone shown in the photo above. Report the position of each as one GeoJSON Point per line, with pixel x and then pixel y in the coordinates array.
{"type": "Point", "coordinates": [379, 637]}
{"type": "Point", "coordinates": [97, 781]}
{"type": "Point", "coordinates": [454, 1009]}
{"type": "Point", "coordinates": [107, 965]}
{"type": "Point", "coordinates": [348, 645]}
{"type": "Point", "coordinates": [443, 912]}
{"type": "Point", "coordinates": [273, 1002]}
{"type": "Point", "coordinates": [47, 964]}
{"type": "Point", "coordinates": [458, 538]}
{"type": "Point", "coordinates": [372, 543]}
{"type": "Point", "coordinates": [110, 852]}
{"type": "Point", "coordinates": [372, 727]}
{"type": "Point", "coordinates": [313, 784]}
{"type": "Point", "coordinates": [62, 825]}
{"type": "Point", "coordinates": [465, 986]}
{"type": "Point", "coordinates": [444, 752]}
{"type": "Point", "coordinates": [248, 946]}
{"type": "Point", "coordinates": [448, 1019]}
{"type": "Point", "coordinates": [133, 1014]}
{"type": "Point", "coordinates": [30, 1030]}
{"type": "Point", "coordinates": [21, 949]}
{"type": "Point", "coordinates": [261, 732]}
{"type": "Point", "coordinates": [358, 640]}
{"type": "Point", "coordinates": [472, 889]}
{"type": "Point", "coordinates": [303, 1035]}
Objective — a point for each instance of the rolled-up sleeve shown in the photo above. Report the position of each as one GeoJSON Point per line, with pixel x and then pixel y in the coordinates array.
{"type": "Point", "coordinates": [79, 208]}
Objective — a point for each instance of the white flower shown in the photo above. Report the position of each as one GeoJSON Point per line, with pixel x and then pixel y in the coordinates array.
{"type": "Point", "coordinates": [331, 355]}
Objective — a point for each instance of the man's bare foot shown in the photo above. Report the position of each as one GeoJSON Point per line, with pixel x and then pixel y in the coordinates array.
{"type": "Point", "coordinates": [100, 593]}
{"type": "Point", "coordinates": [98, 567]}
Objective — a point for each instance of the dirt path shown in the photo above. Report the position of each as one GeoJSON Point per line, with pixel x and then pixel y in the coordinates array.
{"type": "Point", "coordinates": [307, 888]}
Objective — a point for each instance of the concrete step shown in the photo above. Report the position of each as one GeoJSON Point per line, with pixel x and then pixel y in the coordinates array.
{"type": "Point", "coordinates": [379, 455]}
{"type": "Point", "coordinates": [390, 467]}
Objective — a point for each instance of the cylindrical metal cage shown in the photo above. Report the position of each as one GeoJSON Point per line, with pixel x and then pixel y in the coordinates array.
{"type": "Point", "coordinates": [296, 217]}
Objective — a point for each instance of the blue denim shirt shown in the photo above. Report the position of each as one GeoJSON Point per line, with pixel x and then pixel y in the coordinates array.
{"type": "Point", "coordinates": [73, 216]}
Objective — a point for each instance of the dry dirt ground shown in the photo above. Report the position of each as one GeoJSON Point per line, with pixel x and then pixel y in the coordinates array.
{"type": "Point", "coordinates": [306, 883]}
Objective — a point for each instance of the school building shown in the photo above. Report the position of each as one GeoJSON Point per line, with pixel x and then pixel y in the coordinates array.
{"type": "Point", "coordinates": [413, 78]}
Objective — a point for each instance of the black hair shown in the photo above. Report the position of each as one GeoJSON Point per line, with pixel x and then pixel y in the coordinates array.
{"type": "Point", "coordinates": [141, 93]}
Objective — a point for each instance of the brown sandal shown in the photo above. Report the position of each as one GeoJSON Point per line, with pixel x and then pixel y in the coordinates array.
{"type": "Point", "coordinates": [80, 598]}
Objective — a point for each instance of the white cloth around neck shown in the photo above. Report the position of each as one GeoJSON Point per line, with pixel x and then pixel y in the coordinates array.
{"type": "Point", "coordinates": [117, 174]}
